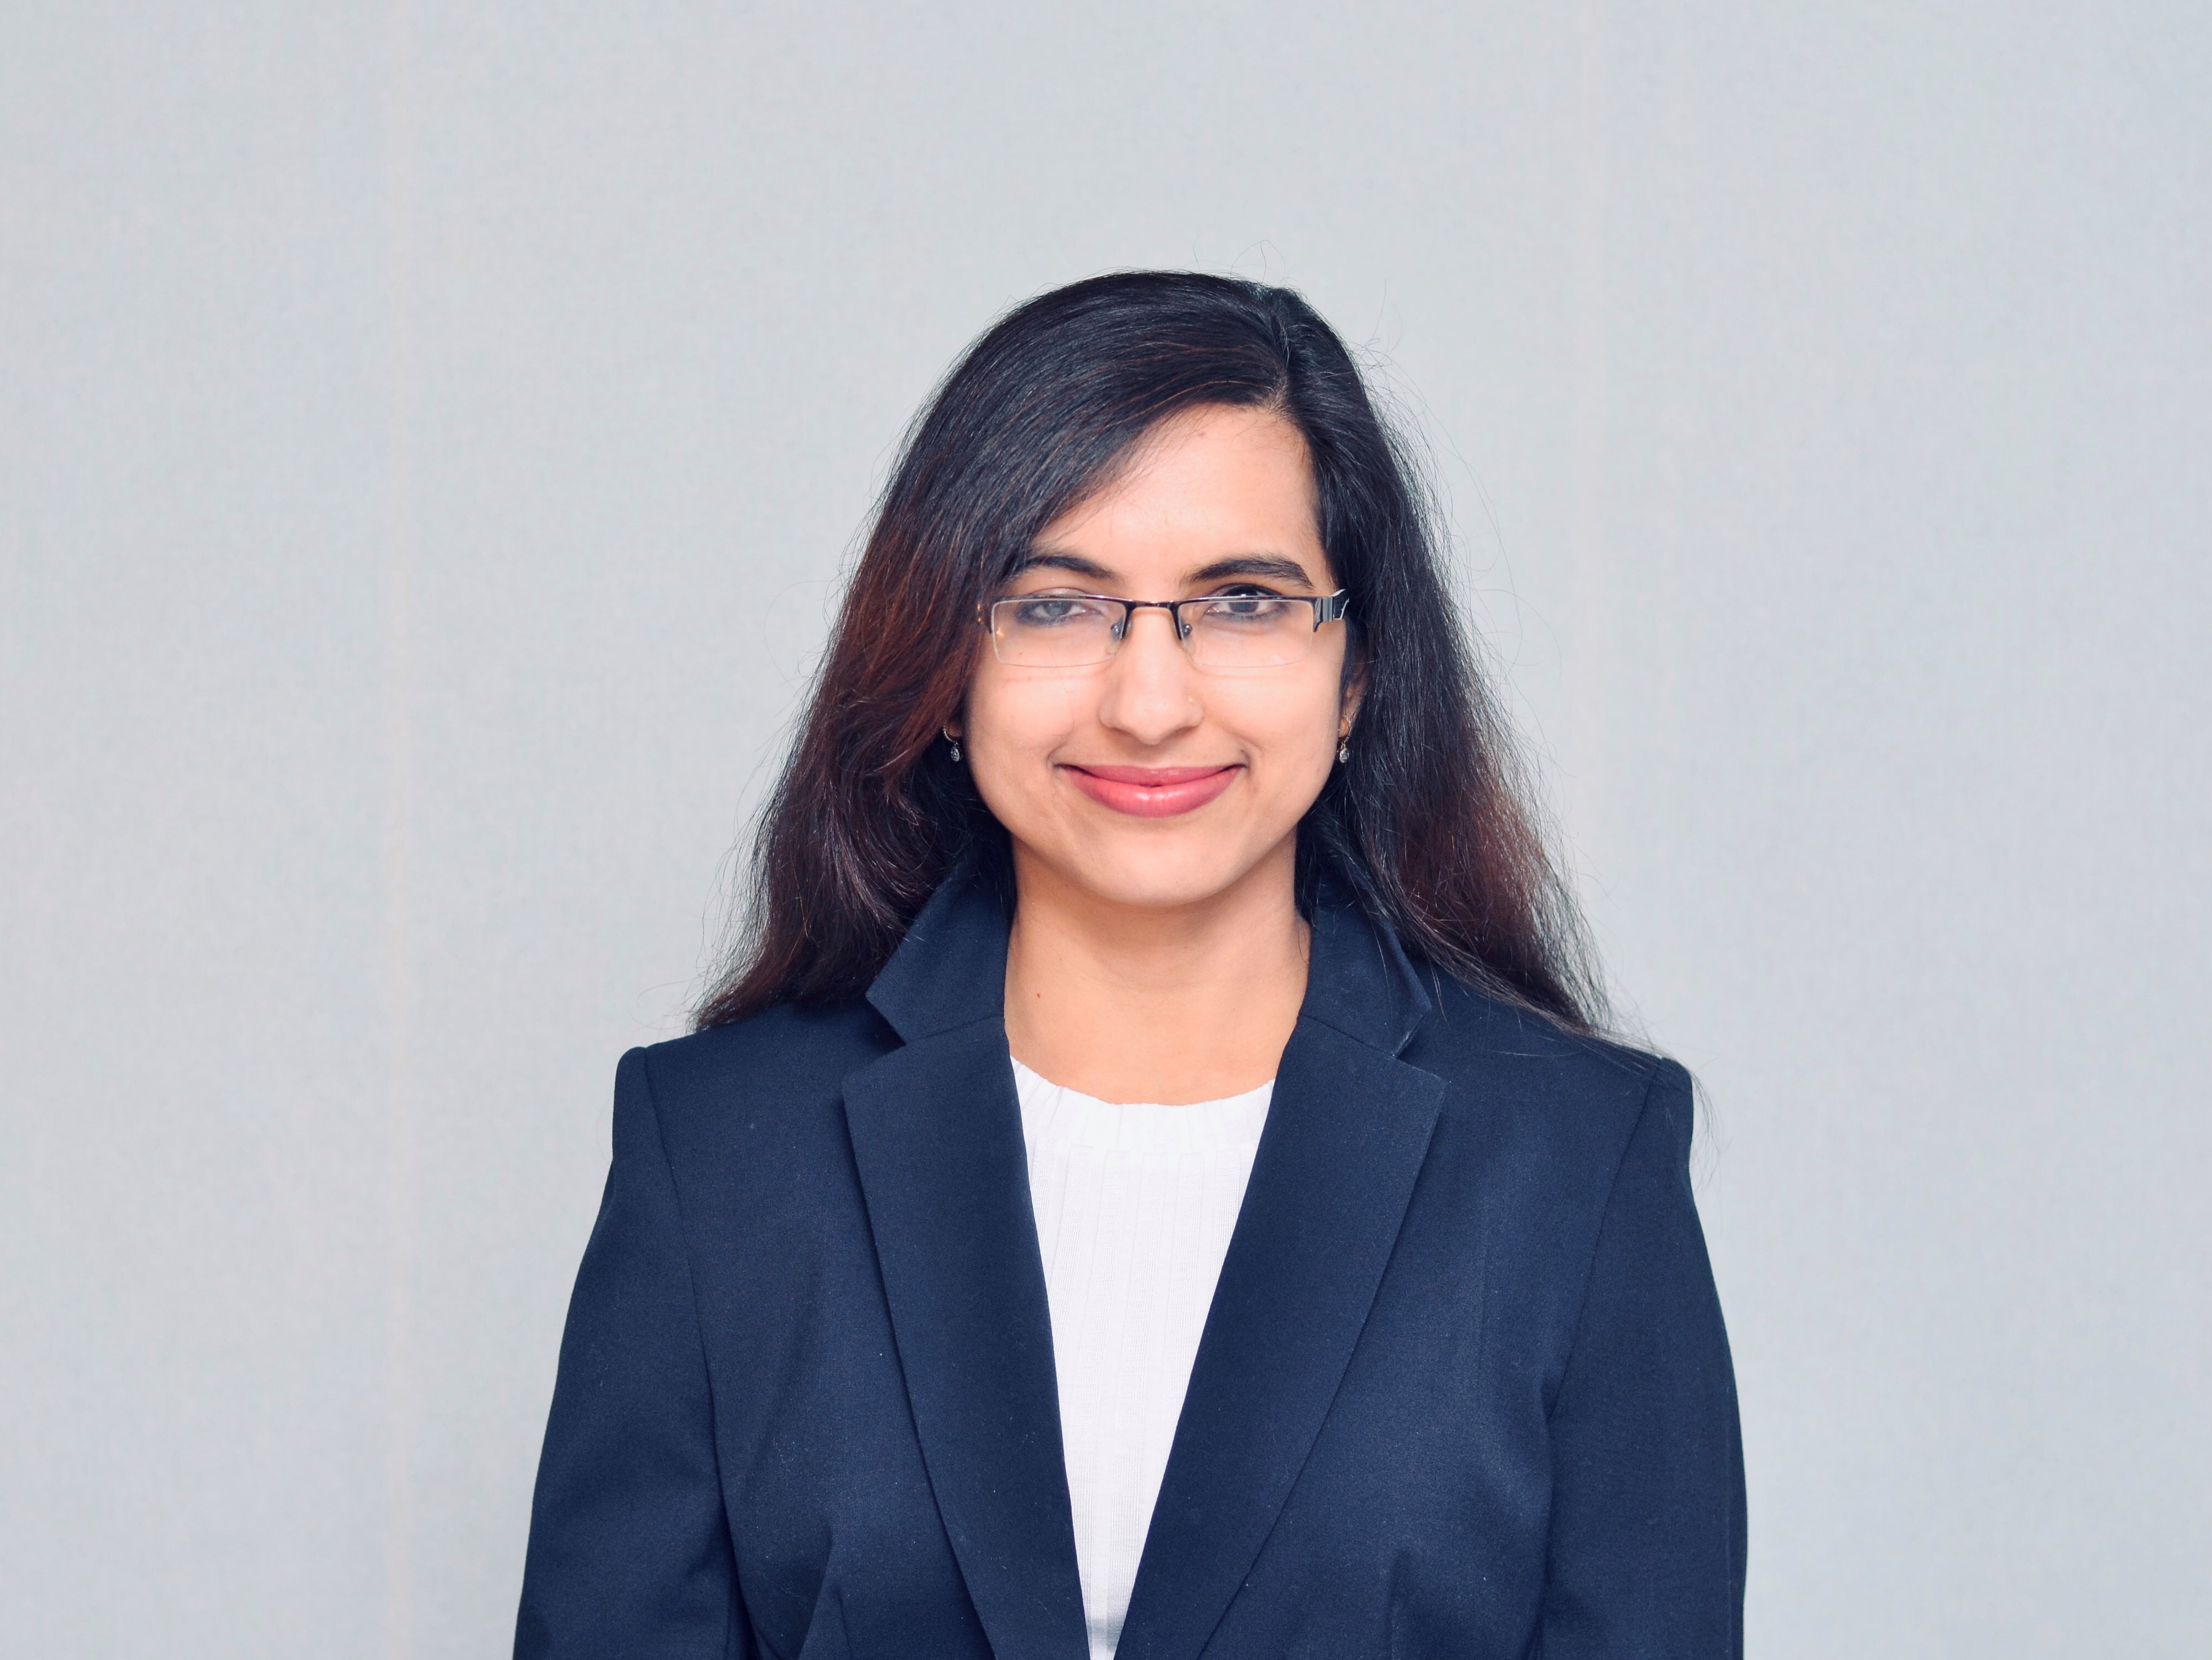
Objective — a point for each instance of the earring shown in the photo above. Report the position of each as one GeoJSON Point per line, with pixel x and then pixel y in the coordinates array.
{"type": "Point", "coordinates": [1343, 749]}
{"type": "Point", "coordinates": [954, 742]}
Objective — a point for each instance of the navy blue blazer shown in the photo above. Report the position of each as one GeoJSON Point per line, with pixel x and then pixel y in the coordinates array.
{"type": "Point", "coordinates": [1463, 1390]}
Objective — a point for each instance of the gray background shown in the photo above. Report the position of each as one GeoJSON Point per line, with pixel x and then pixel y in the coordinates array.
{"type": "Point", "coordinates": [430, 438]}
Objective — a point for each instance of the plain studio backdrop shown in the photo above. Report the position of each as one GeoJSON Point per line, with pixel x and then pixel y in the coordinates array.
{"type": "Point", "coordinates": [431, 439]}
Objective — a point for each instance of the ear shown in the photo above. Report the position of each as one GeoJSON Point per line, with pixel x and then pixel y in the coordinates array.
{"type": "Point", "coordinates": [1354, 689]}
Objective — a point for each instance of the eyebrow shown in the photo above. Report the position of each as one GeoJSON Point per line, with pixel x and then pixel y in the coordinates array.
{"type": "Point", "coordinates": [1074, 563]}
{"type": "Point", "coordinates": [1272, 566]}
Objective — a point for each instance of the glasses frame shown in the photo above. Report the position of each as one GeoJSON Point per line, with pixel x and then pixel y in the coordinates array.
{"type": "Point", "coordinates": [1327, 608]}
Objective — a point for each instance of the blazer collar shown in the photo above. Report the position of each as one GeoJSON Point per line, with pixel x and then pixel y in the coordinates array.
{"type": "Point", "coordinates": [951, 969]}
{"type": "Point", "coordinates": [1360, 983]}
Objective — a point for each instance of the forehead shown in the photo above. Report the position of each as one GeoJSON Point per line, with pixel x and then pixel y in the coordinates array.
{"type": "Point", "coordinates": [1204, 484]}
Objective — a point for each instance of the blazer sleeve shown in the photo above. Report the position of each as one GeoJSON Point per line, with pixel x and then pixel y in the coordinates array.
{"type": "Point", "coordinates": [630, 1552]}
{"type": "Point", "coordinates": [1646, 1550]}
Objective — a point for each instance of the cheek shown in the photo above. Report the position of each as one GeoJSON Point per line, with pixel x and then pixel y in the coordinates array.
{"type": "Point", "coordinates": [1009, 725]}
{"type": "Point", "coordinates": [1293, 727]}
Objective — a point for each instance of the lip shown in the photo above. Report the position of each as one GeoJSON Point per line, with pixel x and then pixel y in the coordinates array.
{"type": "Point", "coordinates": [1151, 792]}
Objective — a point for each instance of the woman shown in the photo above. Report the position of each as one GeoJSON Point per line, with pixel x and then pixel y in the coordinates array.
{"type": "Point", "coordinates": [1149, 1184]}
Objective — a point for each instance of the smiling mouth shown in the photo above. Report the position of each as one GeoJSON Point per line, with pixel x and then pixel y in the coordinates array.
{"type": "Point", "coordinates": [1151, 792]}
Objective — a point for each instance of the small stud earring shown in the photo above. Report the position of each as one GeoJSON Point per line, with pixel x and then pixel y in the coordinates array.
{"type": "Point", "coordinates": [954, 742]}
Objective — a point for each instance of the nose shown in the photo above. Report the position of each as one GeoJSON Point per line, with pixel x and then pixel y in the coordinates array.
{"type": "Point", "coordinates": [1152, 690]}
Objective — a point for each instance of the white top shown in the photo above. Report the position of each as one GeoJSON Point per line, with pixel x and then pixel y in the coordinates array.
{"type": "Point", "coordinates": [1134, 1206]}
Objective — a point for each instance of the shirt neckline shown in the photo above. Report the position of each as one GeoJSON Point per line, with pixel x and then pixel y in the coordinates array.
{"type": "Point", "coordinates": [1038, 1081]}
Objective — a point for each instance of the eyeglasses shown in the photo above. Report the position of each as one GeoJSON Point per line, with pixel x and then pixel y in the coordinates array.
{"type": "Point", "coordinates": [1219, 631]}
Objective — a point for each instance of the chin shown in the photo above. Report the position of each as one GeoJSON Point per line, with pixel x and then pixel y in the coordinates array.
{"type": "Point", "coordinates": [1158, 877]}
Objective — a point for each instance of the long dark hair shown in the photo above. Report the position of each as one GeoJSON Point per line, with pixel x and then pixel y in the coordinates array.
{"type": "Point", "coordinates": [1426, 827]}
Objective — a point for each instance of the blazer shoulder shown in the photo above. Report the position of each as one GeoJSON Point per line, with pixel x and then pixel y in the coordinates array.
{"type": "Point", "coordinates": [789, 1053]}
{"type": "Point", "coordinates": [1507, 1057]}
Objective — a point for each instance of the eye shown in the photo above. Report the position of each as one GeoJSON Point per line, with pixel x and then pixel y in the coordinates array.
{"type": "Point", "coordinates": [1247, 605]}
{"type": "Point", "coordinates": [1051, 611]}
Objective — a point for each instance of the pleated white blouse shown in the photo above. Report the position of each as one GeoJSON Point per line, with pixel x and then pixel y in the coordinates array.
{"type": "Point", "coordinates": [1134, 1206]}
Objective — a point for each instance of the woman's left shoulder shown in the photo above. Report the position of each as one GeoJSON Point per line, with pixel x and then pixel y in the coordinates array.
{"type": "Point", "coordinates": [1520, 1071]}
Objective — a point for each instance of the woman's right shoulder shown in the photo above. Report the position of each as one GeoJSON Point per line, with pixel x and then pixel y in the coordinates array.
{"type": "Point", "coordinates": [782, 1061]}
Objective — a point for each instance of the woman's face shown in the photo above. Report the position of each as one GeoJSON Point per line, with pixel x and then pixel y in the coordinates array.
{"type": "Point", "coordinates": [1151, 779]}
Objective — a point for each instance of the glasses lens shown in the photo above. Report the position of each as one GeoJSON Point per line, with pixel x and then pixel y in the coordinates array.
{"type": "Point", "coordinates": [1054, 631]}
{"type": "Point", "coordinates": [1256, 630]}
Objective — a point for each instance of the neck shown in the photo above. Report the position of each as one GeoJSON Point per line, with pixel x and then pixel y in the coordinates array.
{"type": "Point", "coordinates": [1170, 1003]}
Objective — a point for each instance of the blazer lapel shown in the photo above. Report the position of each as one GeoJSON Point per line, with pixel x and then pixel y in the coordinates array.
{"type": "Point", "coordinates": [937, 1135]}
{"type": "Point", "coordinates": [1347, 1130]}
